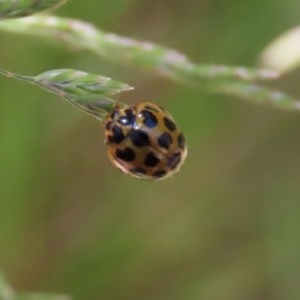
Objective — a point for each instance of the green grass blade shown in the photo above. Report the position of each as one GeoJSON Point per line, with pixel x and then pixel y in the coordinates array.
{"type": "Point", "coordinates": [236, 81]}
{"type": "Point", "coordinates": [22, 8]}
{"type": "Point", "coordinates": [89, 92]}
{"type": "Point", "coordinates": [122, 50]}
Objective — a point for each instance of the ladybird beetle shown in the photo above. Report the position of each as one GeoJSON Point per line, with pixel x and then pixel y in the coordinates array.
{"type": "Point", "coordinates": [144, 141]}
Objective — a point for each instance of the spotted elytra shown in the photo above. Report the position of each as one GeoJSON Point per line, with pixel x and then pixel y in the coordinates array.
{"type": "Point", "coordinates": [144, 141]}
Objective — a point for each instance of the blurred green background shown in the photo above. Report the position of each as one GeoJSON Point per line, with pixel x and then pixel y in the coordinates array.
{"type": "Point", "coordinates": [226, 227]}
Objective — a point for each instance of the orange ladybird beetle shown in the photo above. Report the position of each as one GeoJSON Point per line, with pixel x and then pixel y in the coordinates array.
{"type": "Point", "coordinates": [144, 141]}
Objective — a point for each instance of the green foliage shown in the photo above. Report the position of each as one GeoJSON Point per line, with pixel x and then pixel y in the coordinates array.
{"type": "Point", "coordinates": [163, 61]}
{"type": "Point", "coordinates": [22, 8]}
{"type": "Point", "coordinates": [86, 91]}
{"type": "Point", "coordinates": [226, 227]}
{"type": "Point", "coordinates": [123, 50]}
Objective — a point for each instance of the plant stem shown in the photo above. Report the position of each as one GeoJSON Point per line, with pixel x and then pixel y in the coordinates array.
{"type": "Point", "coordinates": [124, 50]}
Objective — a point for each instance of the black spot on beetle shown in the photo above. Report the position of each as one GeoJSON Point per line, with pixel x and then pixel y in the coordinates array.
{"type": "Point", "coordinates": [117, 135]}
{"type": "Point", "coordinates": [130, 116]}
{"type": "Point", "coordinates": [159, 174]}
{"type": "Point", "coordinates": [128, 119]}
{"type": "Point", "coordinates": [110, 140]}
{"type": "Point", "coordinates": [139, 138]}
{"type": "Point", "coordinates": [151, 160]}
{"type": "Point", "coordinates": [129, 113]}
{"type": "Point", "coordinates": [114, 114]}
{"type": "Point", "coordinates": [108, 125]}
{"type": "Point", "coordinates": [127, 154]}
{"type": "Point", "coordinates": [165, 140]}
{"type": "Point", "coordinates": [181, 141]}
{"type": "Point", "coordinates": [123, 120]}
{"type": "Point", "coordinates": [169, 124]}
{"type": "Point", "coordinates": [137, 170]}
{"type": "Point", "coordinates": [174, 160]}
{"type": "Point", "coordinates": [149, 118]}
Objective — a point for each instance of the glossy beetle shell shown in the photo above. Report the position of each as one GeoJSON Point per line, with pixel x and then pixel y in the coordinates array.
{"type": "Point", "coordinates": [144, 141]}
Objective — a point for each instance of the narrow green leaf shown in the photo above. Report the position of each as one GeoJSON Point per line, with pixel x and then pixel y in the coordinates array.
{"type": "Point", "coordinates": [89, 92]}
{"type": "Point", "coordinates": [122, 50]}
{"type": "Point", "coordinates": [6, 292]}
{"type": "Point", "coordinates": [22, 8]}
{"type": "Point", "coordinates": [80, 85]}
